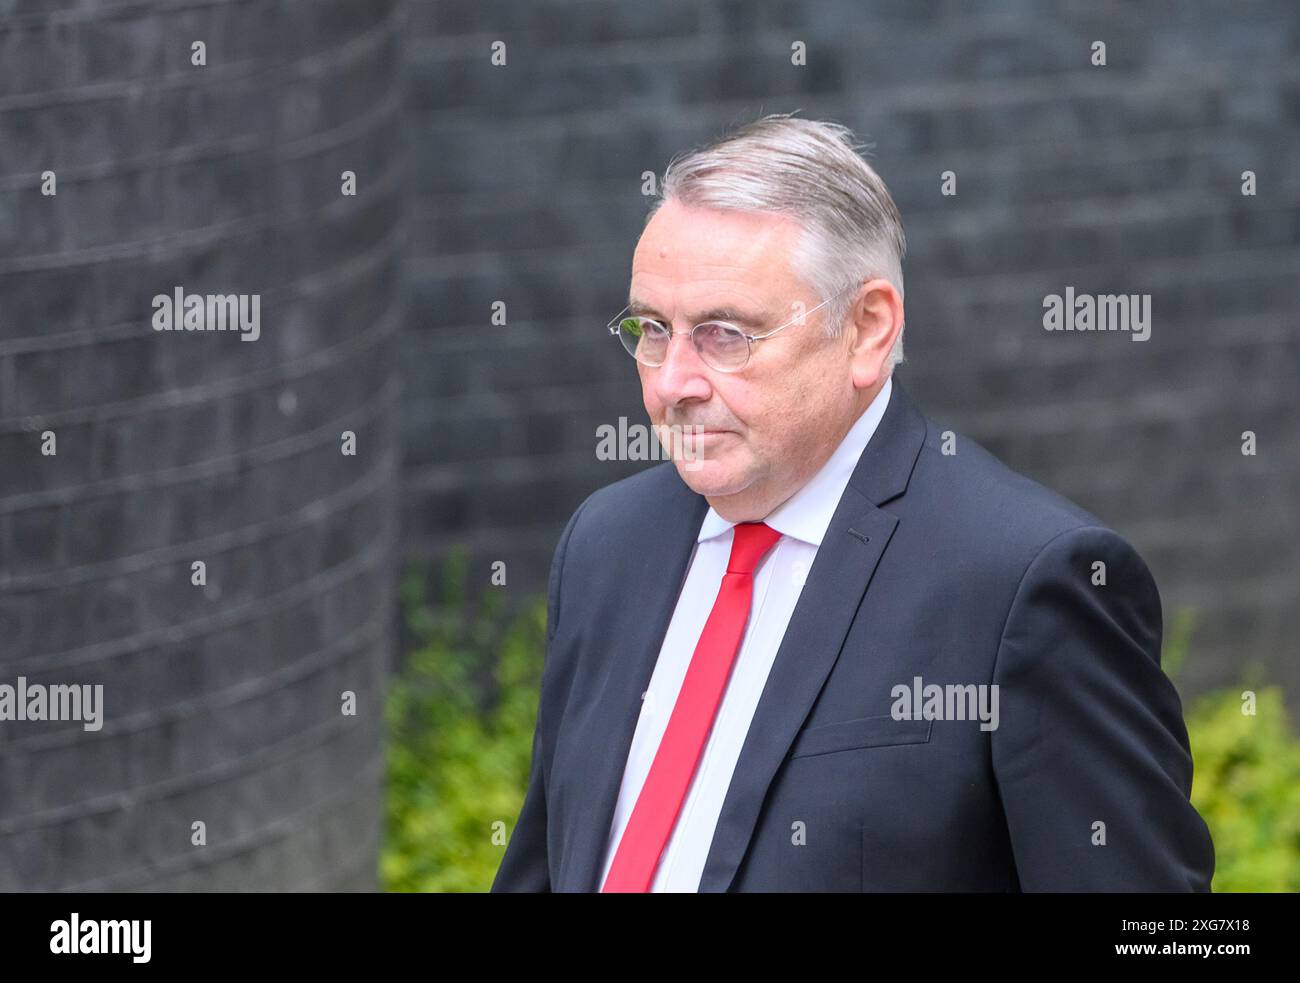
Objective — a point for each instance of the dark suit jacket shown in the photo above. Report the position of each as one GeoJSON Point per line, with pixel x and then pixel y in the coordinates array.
{"type": "Point", "coordinates": [950, 567]}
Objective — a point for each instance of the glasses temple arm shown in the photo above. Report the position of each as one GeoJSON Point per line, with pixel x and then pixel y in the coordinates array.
{"type": "Point", "coordinates": [795, 320]}
{"type": "Point", "coordinates": [613, 322]}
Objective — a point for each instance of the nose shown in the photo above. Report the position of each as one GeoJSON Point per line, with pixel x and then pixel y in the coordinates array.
{"type": "Point", "coordinates": [683, 375]}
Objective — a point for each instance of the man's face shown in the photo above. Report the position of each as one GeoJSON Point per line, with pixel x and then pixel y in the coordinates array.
{"type": "Point", "coordinates": [770, 425]}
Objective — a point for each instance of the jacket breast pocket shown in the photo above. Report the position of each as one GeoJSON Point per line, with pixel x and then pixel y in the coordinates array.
{"type": "Point", "coordinates": [862, 732]}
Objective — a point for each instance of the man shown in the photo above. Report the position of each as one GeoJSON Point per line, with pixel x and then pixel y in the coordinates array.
{"type": "Point", "coordinates": [829, 647]}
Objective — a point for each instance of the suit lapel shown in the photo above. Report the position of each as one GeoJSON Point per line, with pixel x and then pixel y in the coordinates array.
{"type": "Point", "coordinates": [852, 547]}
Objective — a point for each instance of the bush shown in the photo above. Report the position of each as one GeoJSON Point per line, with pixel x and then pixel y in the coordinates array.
{"type": "Point", "coordinates": [460, 722]}
{"type": "Point", "coordinates": [1245, 779]}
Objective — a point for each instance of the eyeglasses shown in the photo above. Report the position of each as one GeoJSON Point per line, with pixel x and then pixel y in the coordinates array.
{"type": "Point", "coordinates": [720, 344]}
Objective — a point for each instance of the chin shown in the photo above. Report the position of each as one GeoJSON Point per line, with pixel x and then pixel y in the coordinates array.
{"type": "Point", "coordinates": [709, 478]}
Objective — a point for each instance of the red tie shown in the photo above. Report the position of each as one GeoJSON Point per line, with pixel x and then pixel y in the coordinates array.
{"type": "Point", "coordinates": [664, 791]}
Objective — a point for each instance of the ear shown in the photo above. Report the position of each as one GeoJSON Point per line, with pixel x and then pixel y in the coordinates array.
{"type": "Point", "coordinates": [875, 319]}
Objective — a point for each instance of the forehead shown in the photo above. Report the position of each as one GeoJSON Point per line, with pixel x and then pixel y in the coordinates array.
{"type": "Point", "coordinates": [691, 253]}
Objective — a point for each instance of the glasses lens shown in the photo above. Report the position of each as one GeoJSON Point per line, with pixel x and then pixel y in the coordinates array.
{"type": "Point", "coordinates": [644, 339]}
{"type": "Point", "coordinates": [722, 346]}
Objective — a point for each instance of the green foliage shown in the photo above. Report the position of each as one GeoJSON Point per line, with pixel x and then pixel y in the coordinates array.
{"type": "Point", "coordinates": [1245, 779]}
{"type": "Point", "coordinates": [460, 722]}
{"type": "Point", "coordinates": [461, 716]}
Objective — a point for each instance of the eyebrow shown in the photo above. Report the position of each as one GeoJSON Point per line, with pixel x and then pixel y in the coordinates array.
{"type": "Point", "coordinates": [639, 308]}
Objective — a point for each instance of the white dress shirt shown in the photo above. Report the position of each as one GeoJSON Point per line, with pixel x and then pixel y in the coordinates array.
{"type": "Point", "coordinates": [802, 521]}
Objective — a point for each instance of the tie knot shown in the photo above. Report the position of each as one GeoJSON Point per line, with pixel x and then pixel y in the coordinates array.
{"type": "Point", "coordinates": [750, 543]}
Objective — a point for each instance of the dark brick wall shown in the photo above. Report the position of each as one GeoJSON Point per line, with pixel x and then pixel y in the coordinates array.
{"type": "Point", "coordinates": [526, 189]}
{"type": "Point", "coordinates": [221, 704]}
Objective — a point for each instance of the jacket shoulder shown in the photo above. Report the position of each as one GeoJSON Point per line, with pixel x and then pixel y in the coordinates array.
{"type": "Point", "coordinates": [973, 494]}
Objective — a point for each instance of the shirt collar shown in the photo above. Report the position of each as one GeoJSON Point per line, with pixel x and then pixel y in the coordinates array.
{"type": "Point", "coordinates": [807, 513]}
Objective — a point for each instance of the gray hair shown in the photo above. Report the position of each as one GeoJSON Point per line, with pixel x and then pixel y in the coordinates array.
{"type": "Point", "coordinates": [808, 170]}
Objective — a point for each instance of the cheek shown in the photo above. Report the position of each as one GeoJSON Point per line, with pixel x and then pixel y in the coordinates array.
{"type": "Point", "coordinates": [818, 388]}
{"type": "Point", "coordinates": [649, 399]}
{"type": "Point", "coordinates": [777, 425]}
{"type": "Point", "coordinates": [764, 423]}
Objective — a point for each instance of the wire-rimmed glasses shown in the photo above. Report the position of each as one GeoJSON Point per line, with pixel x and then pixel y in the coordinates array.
{"type": "Point", "coordinates": [720, 344]}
